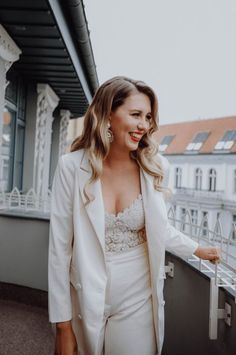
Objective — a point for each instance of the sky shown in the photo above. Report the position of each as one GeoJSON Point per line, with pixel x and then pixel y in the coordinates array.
{"type": "Point", "coordinates": [184, 49]}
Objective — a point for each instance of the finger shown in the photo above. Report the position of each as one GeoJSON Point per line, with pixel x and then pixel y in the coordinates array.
{"type": "Point", "coordinates": [214, 261]}
{"type": "Point", "coordinates": [214, 251]}
{"type": "Point", "coordinates": [214, 254]}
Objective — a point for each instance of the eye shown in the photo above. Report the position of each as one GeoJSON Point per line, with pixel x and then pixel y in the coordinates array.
{"type": "Point", "coordinates": [135, 114]}
{"type": "Point", "coordinates": [148, 117]}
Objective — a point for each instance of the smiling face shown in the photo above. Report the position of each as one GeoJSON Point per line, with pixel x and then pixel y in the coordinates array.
{"type": "Point", "coordinates": [130, 121]}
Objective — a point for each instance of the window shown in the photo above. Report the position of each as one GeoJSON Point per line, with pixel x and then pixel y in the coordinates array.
{"type": "Point", "coordinates": [234, 183]}
{"type": "Point", "coordinates": [198, 179]}
{"type": "Point", "coordinates": [234, 225]}
{"type": "Point", "coordinates": [197, 141]}
{"type": "Point", "coordinates": [194, 220]}
{"type": "Point", "coordinates": [178, 178]}
{"type": "Point", "coordinates": [205, 223]}
{"type": "Point", "coordinates": [13, 134]}
{"type": "Point", "coordinates": [8, 134]}
{"type": "Point", "coordinates": [212, 180]}
{"type": "Point", "coordinates": [165, 142]}
{"type": "Point", "coordinates": [227, 141]}
{"type": "Point", "coordinates": [183, 219]}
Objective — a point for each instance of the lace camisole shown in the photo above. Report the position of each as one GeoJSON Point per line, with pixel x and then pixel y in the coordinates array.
{"type": "Point", "coordinates": [126, 229]}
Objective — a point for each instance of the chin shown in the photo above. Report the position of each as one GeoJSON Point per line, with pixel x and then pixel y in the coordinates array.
{"type": "Point", "coordinates": [133, 147]}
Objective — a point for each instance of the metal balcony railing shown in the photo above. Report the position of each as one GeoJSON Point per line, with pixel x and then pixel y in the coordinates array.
{"type": "Point", "coordinates": [222, 275]}
{"type": "Point", "coordinates": [204, 236]}
{"type": "Point", "coordinates": [24, 202]}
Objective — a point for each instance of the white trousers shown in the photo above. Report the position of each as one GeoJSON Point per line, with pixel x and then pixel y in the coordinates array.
{"type": "Point", "coordinates": [128, 327]}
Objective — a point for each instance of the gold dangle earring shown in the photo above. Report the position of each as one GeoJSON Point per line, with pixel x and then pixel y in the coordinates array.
{"type": "Point", "coordinates": [109, 133]}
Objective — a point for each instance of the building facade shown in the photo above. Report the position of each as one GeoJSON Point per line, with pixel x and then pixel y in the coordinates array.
{"type": "Point", "coordinates": [47, 76]}
{"type": "Point", "coordinates": [202, 156]}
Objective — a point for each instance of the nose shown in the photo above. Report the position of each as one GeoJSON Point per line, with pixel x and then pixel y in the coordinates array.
{"type": "Point", "coordinates": [143, 125]}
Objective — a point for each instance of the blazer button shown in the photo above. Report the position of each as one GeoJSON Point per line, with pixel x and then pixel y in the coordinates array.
{"type": "Point", "coordinates": [79, 316]}
{"type": "Point", "coordinates": [79, 286]}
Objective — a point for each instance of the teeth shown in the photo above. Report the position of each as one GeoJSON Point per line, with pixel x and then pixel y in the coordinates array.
{"type": "Point", "coordinates": [135, 135]}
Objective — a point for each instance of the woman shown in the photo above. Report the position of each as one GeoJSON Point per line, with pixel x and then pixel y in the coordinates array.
{"type": "Point", "coordinates": [109, 230]}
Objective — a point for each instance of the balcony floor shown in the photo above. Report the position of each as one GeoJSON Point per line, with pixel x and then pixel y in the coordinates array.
{"type": "Point", "coordinates": [25, 329]}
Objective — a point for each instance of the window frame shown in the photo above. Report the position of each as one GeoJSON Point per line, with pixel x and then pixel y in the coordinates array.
{"type": "Point", "coordinates": [178, 177]}
{"type": "Point", "coordinates": [198, 179]}
{"type": "Point", "coordinates": [16, 105]}
{"type": "Point", "coordinates": [212, 180]}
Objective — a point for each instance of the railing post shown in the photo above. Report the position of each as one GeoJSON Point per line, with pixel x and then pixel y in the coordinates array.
{"type": "Point", "coordinates": [213, 319]}
{"type": "Point", "coordinates": [215, 312]}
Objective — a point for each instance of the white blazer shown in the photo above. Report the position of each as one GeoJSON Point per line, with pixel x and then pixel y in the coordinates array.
{"type": "Point", "coordinates": [77, 271]}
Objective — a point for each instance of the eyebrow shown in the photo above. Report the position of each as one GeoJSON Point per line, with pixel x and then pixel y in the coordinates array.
{"type": "Point", "coordinates": [140, 111]}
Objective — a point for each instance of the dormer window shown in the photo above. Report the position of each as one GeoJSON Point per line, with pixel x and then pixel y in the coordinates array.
{"type": "Point", "coordinates": [165, 142]}
{"type": "Point", "coordinates": [227, 141]}
{"type": "Point", "coordinates": [197, 141]}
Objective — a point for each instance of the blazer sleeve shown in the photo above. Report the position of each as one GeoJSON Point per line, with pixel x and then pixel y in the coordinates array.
{"type": "Point", "coordinates": [176, 241]}
{"type": "Point", "coordinates": [60, 244]}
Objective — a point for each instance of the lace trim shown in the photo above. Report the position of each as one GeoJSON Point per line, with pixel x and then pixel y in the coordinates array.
{"type": "Point", "coordinates": [126, 229]}
{"type": "Point", "coordinates": [126, 208]}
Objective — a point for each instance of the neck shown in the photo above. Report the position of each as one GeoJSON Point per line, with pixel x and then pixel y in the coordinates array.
{"type": "Point", "coordinates": [117, 158]}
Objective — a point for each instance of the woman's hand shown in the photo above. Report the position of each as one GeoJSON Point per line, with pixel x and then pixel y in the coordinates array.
{"type": "Point", "coordinates": [65, 340]}
{"type": "Point", "coordinates": [212, 254]}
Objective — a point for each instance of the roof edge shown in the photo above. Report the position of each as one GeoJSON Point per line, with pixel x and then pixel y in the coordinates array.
{"type": "Point", "coordinates": [82, 59]}
{"type": "Point", "coordinates": [76, 12]}
{"type": "Point", "coordinates": [198, 120]}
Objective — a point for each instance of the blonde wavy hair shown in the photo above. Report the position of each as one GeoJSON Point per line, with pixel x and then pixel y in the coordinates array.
{"type": "Point", "coordinates": [109, 96]}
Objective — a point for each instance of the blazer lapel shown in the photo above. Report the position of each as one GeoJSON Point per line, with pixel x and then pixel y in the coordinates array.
{"type": "Point", "coordinates": [155, 222]}
{"type": "Point", "coordinates": [95, 208]}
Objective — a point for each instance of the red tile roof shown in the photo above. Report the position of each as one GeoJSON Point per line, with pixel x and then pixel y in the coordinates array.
{"type": "Point", "coordinates": [184, 133]}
